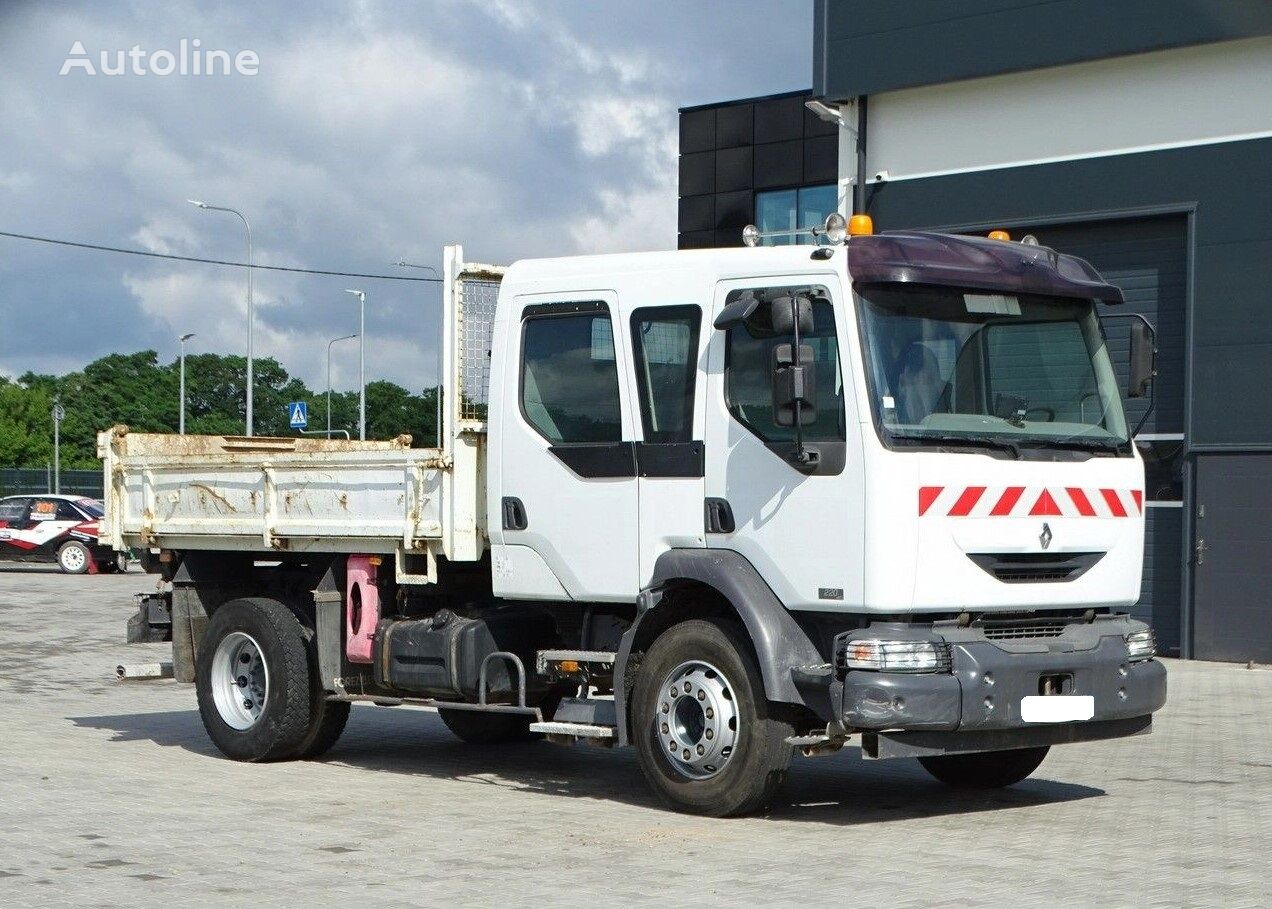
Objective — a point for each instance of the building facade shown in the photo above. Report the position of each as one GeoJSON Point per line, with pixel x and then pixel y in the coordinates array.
{"type": "Point", "coordinates": [1137, 135]}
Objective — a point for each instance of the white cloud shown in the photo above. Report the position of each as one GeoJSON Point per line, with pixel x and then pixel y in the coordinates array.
{"type": "Point", "coordinates": [372, 132]}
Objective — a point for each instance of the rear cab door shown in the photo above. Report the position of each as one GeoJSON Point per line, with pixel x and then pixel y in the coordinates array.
{"type": "Point", "coordinates": [567, 502]}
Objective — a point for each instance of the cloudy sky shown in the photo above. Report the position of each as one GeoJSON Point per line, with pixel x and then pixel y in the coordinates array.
{"type": "Point", "coordinates": [371, 132]}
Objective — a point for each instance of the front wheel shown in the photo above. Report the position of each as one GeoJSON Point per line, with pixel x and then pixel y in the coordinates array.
{"type": "Point", "coordinates": [708, 740]}
{"type": "Point", "coordinates": [985, 770]}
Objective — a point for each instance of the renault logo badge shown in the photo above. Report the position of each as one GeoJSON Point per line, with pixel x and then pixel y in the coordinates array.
{"type": "Point", "coordinates": [1045, 537]}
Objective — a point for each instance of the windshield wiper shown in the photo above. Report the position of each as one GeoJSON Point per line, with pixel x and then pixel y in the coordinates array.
{"type": "Point", "coordinates": [965, 441]}
{"type": "Point", "coordinates": [1081, 444]}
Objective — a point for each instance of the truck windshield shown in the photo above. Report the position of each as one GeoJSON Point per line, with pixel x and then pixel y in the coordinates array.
{"type": "Point", "coordinates": [949, 366]}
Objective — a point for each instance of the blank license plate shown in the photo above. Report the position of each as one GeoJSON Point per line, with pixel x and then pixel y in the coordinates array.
{"type": "Point", "coordinates": [1057, 708]}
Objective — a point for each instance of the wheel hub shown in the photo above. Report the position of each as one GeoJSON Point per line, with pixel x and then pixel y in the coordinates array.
{"type": "Point", "coordinates": [240, 680]}
{"type": "Point", "coordinates": [697, 719]}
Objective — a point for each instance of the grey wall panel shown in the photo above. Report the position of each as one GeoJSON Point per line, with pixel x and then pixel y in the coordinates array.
{"type": "Point", "coordinates": [696, 213]}
{"type": "Point", "coordinates": [779, 164]}
{"type": "Point", "coordinates": [1232, 253]}
{"type": "Point", "coordinates": [735, 126]}
{"type": "Point", "coordinates": [697, 131]}
{"type": "Point", "coordinates": [697, 174]}
{"type": "Point", "coordinates": [865, 47]}
{"type": "Point", "coordinates": [733, 169]}
{"type": "Point", "coordinates": [779, 120]}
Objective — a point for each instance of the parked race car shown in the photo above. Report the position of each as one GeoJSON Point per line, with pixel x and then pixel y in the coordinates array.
{"type": "Point", "coordinates": [55, 528]}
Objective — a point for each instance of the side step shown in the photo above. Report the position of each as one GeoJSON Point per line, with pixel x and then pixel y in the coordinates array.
{"type": "Point", "coordinates": [569, 733]}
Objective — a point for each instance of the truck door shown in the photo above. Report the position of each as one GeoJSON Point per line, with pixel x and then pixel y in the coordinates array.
{"type": "Point", "coordinates": [568, 503]}
{"type": "Point", "coordinates": [668, 357]}
{"type": "Point", "coordinates": [801, 528]}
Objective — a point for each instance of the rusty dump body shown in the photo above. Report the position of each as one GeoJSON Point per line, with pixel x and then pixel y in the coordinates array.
{"type": "Point", "coordinates": [262, 494]}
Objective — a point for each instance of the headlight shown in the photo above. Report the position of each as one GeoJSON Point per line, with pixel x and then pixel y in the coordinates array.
{"type": "Point", "coordinates": [1141, 644]}
{"type": "Point", "coordinates": [896, 656]}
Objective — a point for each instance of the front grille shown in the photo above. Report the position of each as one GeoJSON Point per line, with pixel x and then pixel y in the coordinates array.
{"type": "Point", "coordinates": [1035, 567]}
{"type": "Point", "coordinates": [1024, 629]}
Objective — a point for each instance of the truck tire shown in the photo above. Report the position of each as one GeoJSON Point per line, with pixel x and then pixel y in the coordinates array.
{"type": "Point", "coordinates": [985, 770]}
{"type": "Point", "coordinates": [477, 728]}
{"type": "Point", "coordinates": [255, 681]}
{"type": "Point", "coordinates": [707, 739]}
{"type": "Point", "coordinates": [74, 558]}
{"type": "Point", "coordinates": [332, 717]}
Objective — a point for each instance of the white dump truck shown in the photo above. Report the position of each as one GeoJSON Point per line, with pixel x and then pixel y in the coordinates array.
{"type": "Point", "coordinates": [723, 506]}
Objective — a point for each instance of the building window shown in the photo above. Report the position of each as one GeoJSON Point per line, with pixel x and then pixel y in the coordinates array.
{"type": "Point", "coordinates": [794, 209]}
{"type": "Point", "coordinates": [569, 377]}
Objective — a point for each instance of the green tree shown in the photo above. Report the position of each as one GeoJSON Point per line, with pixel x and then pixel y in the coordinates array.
{"type": "Point", "coordinates": [136, 390]}
{"type": "Point", "coordinates": [26, 425]}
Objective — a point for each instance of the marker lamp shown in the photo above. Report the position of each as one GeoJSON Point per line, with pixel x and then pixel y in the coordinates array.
{"type": "Point", "coordinates": [1141, 645]}
{"type": "Point", "coordinates": [896, 656]}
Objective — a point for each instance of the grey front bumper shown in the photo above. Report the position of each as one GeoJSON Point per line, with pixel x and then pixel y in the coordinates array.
{"type": "Point", "coordinates": [976, 706]}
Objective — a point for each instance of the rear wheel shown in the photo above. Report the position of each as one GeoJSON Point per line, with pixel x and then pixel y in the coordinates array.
{"type": "Point", "coordinates": [74, 558]}
{"type": "Point", "coordinates": [257, 684]}
{"type": "Point", "coordinates": [708, 740]}
{"type": "Point", "coordinates": [985, 770]}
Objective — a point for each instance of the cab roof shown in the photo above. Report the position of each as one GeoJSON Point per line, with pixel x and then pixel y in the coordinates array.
{"type": "Point", "coordinates": [910, 257]}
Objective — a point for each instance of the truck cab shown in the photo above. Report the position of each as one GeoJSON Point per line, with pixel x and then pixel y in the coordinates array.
{"type": "Point", "coordinates": [720, 505]}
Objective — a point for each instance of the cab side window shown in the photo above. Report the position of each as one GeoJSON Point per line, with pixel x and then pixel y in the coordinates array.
{"type": "Point", "coordinates": [569, 375]}
{"type": "Point", "coordinates": [748, 370]}
{"type": "Point", "coordinates": [665, 348]}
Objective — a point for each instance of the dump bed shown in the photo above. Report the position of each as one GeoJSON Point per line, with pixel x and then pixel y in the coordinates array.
{"type": "Point", "coordinates": [269, 494]}
{"type": "Point", "coordinates": [306, 494]}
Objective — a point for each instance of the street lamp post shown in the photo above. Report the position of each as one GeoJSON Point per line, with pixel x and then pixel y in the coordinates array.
{"type": "Point", "coordinates": [362, 362]}
{"type": "Point", "coordinates": [402, 263]}
{"type": "Point", "coordinates": [251, 308]}
{"type": "Point", "coordinates": [181, 419]}
{"type": "Point", "coordinates": [59, 414]}
{"type": "Point", "coordinates": [329, 343]}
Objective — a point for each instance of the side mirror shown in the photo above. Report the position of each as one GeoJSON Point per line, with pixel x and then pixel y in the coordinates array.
{"type": "Point", "coordinates": [738, 311]}
{"type": "Point", "coordinates": [794, 387]}
{"type": "Point", "coordinates": [787, 309]}
{"type": "Point", "coordinates": [1143, 359]}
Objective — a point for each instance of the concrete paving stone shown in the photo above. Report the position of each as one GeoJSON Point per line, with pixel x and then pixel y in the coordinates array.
{"type": "Point", "coordinates": [111, 794]}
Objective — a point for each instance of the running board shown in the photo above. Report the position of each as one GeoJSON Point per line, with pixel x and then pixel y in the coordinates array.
{"type": "Point", "coordinates": [569, 733]}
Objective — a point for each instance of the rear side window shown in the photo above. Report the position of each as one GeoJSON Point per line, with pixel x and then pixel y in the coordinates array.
{"type": "Point", "coordinates": [13, 511]}
{"type": "Point", "coordinates": [665, 348]}
{"type": "Point", "coordinates": [569, 376]}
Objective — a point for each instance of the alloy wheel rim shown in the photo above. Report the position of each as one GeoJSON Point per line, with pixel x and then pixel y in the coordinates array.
{"type": "Point", "coordinates": [696, 720]}
{"type": "Point", "coordinates": [240, 680]}
{"type": "Point", "coordinates": [72, 558]}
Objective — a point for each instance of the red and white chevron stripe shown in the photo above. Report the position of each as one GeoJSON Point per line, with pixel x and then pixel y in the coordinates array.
{"type": "Point", "coordinates": [1029, 501]}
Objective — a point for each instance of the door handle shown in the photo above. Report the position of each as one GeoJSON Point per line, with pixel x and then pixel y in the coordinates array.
{"type": "Point", "coordinates": [1200, 551]}
{"type": "Point", "coordinates": [514, 514]}
{"type": "Point", "coordinates": [719, 516]}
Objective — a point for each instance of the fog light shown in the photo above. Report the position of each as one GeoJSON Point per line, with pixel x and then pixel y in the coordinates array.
{"type": "Point", "coordinates": [1141, 645]}
{"type": "Point", "coordinates": [897, 656]}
